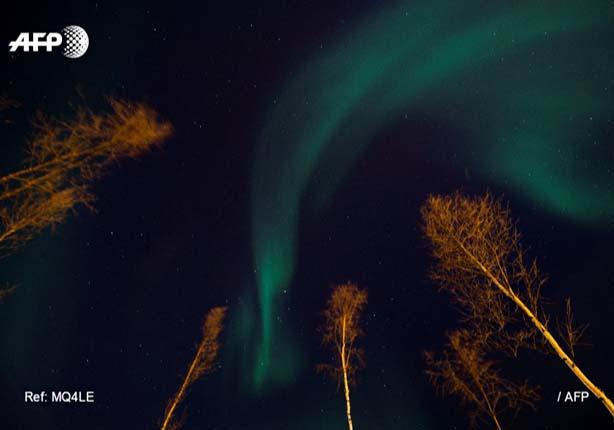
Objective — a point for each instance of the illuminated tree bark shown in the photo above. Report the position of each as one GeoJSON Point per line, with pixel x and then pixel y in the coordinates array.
{"type": "Point", "coordinates": [203, 362]}
{"type": "Point", "coordinates": [481, 263]}
{"type": "Point", "coordinates": [346, 385]}
{"type": "Point", "coordinates": [341, 331]}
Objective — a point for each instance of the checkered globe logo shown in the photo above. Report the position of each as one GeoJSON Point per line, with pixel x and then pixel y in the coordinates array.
{"type": "Point", "coordinates": [76, 41]}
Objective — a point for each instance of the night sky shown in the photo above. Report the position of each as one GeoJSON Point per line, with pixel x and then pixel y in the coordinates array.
{"type": "Point", "coordinates": [307, 136]}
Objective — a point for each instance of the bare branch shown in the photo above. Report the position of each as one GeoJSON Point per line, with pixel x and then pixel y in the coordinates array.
{"type": "Point", "coordinates": [571, 334]}
{"type": "Point", "coordinates": [465, 372]}
{"type": "Point", "coordinates": [479, 260]}
{"type": "Point", "coordinates": [63, 159]}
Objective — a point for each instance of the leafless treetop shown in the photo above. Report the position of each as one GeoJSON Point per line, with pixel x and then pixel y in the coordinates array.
{"type": "Point", "coordinates": [477, 249]}
{"type": "Point", "coordinates": [342, 329]}
{"type": "Point", "coordinates": [202, 363]}
{"type": "Point", "coordinates": [63, 158]}
{"type": "Point", "coordinates": [465, 371]}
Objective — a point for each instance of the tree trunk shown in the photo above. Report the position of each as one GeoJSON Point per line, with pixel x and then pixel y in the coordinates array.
{"type": "Point", "coordinates": [346, 385]}
{"type": "Point", "coordinates": [548, 336]}
{"type": "Point", "coordinates": [563, 356]}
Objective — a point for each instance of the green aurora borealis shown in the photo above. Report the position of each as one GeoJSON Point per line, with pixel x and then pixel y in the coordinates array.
{"type": "Point", "coordinates": [507, 76]}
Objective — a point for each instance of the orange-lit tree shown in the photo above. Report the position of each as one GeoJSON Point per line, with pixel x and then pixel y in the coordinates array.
{"type": "Point", "coordinates": [465, 371]}
{"type": "Point", "coordinates": [341, 332]}
{"type": "Point", "coordinates": [481, 263]}
{"type": "Point", "coordinates": [63, 159]}
{"type": "Point", "coordinates": [203, 362]}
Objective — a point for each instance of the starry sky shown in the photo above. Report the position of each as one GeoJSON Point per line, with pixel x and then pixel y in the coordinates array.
{"type": "Point", "coordinates": [307, 135]}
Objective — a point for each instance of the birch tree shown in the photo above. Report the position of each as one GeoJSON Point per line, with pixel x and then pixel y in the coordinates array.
{"type": "Point", "coordinates": [480, 261]}
{"type": "Point", "coordinates": [341, 333]}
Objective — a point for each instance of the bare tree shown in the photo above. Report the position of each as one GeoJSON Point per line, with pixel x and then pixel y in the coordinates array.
{"type": "Point", "coordinates": [464, 371]}
{"type": "Point", "coordinates": [203, 363]}
{"type": "Point", "coordinates": [63, 158]}
{"type": "Point", "coordinates": [341, 332]}
{"type": "Point", "coordinates": [480, 261]}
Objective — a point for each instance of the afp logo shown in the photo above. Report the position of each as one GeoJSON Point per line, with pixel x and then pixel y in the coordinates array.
{"type": "Point", "coordinates": [72, 40]}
